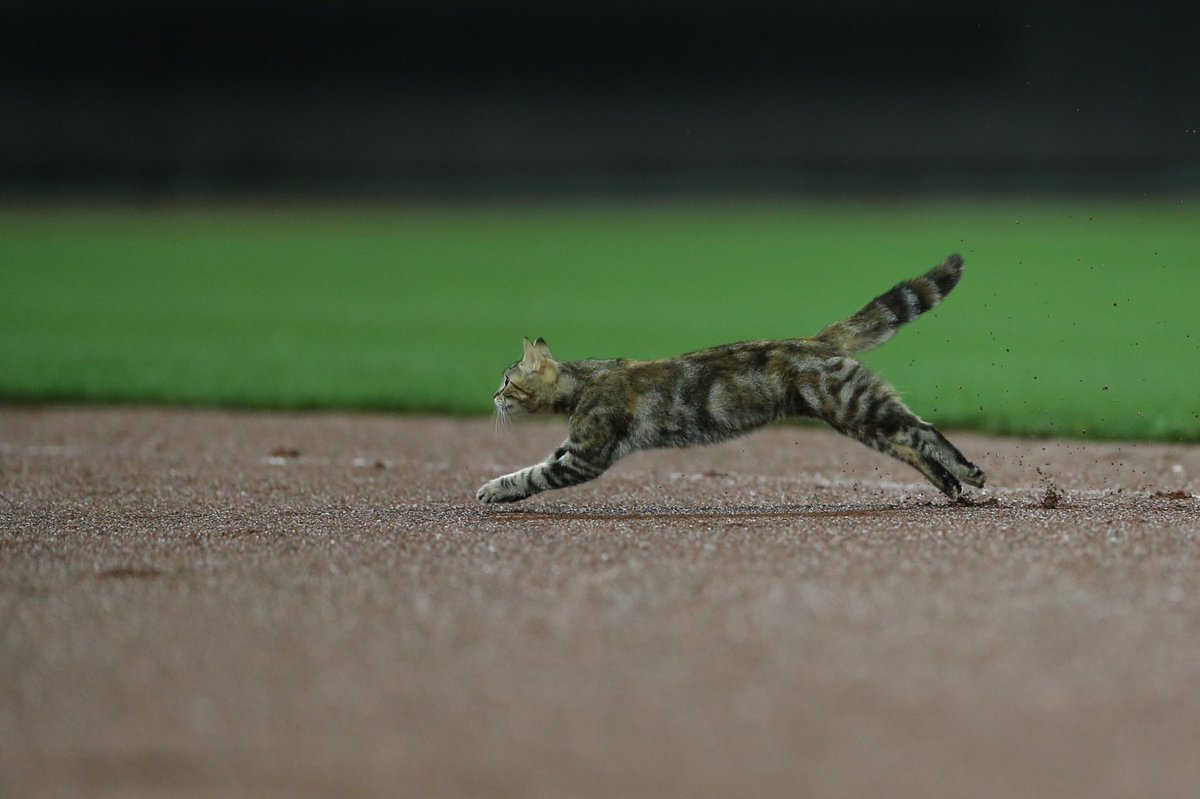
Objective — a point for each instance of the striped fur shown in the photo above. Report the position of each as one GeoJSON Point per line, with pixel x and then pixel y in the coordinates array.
{"type": "Point", "coordinates": [615, 407]}
{"type": "Point", "coordinates": [879, 320]}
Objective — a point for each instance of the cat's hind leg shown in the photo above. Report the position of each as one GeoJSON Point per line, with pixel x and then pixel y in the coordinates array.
{"type": "Point", "coordinates": [864, 407]}
{"type": "Point", "coordinates": [935, 445]}
{"type": "Point", "coordinates": [922, 446]}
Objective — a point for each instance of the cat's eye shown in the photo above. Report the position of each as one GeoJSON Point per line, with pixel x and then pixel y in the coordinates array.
{"type": "Point", "coordinates": [505, 383]}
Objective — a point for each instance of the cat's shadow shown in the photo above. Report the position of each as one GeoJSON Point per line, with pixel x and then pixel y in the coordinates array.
{"type": "Point", "coordinates": [746, 513]}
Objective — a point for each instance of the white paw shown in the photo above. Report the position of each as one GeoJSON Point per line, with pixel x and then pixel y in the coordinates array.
{"type": "Point", "coordinates": [497, 491]}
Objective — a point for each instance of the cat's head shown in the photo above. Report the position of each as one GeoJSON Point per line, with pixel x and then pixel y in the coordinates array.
{"type": "Point", "coordinates": [529, 385]}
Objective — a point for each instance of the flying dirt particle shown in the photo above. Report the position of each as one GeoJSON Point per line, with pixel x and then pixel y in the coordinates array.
{"type": "Point", "coordinates": [1052, 498]}
{"type": "Point", "coordinates": [285, 452]}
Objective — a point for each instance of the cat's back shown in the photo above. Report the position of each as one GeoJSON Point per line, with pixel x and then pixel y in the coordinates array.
{"type": "Point", "coordinates": [704, 395]}
{"type": "Point", "coordinates": [750, 359]}
{"type": "Point", "coordinates": [724, 361]}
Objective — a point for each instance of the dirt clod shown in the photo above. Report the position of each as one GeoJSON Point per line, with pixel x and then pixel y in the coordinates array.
{"type": "Point", "coordinates": [127, 572]}
{"type": "Point", "coordinates": [1172, 495]}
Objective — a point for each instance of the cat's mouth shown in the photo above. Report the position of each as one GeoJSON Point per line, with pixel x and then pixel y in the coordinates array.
{"type": "Point", "coordinates": [506, 407]}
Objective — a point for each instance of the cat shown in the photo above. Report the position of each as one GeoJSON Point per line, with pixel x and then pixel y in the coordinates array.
{"type": "Point", "coordinates": [618, 406]}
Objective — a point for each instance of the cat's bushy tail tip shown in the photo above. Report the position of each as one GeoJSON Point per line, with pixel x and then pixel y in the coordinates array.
{"type": "Point", "coordinates": [945, 277]}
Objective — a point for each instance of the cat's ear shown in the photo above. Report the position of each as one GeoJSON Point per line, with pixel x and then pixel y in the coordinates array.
{"type": "Point", "coordinates": [532, 358]}
{"type": "Point", "coordinates": [542, 349]}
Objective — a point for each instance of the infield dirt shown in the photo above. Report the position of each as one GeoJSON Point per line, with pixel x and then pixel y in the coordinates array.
{"type": "Point", "coordinates": [213, 604]}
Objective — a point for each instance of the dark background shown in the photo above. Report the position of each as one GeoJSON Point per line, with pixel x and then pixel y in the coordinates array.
{"type": "Point", "coordinates": [472, 97]}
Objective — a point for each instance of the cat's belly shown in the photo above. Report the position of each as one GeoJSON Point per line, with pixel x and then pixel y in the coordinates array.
{"type": "Point", "coordinates": [703, 413]}
{"type": "Point", "coordinates": [696, 429]}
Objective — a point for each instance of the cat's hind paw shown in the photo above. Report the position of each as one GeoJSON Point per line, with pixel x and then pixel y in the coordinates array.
{"type": "Point", "coordinates": [498, 490]}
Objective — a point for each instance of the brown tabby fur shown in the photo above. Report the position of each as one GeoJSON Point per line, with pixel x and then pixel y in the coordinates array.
{"type": "Point", "coordinates": [616, 407]}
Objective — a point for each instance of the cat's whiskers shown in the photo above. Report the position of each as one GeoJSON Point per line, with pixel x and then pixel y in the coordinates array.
{"type": "Point", "coordinates": [499, 421]}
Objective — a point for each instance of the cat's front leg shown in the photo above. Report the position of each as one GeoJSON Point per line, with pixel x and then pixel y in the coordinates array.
{"type": "Point", "coordinates": [509, 488]}
{"type": "Point", "coordinates": [563, 468]}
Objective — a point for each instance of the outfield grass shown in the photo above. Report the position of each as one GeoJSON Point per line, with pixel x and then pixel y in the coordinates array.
{"type": "Point", "coordinates": [1071, 317]}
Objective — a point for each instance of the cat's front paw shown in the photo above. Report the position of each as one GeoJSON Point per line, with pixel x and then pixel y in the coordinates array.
{"type": "Point", "coordinates": [498, 490]}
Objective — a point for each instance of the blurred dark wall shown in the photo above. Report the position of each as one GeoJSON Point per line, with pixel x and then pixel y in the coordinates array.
{"type": "Point", "coordinates": [465, 95]}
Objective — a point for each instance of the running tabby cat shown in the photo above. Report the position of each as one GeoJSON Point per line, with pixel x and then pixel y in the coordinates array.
{"type": "Point", "coordinates": [618, 406]}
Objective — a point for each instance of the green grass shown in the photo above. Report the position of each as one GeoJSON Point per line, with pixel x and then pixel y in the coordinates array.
{"type": "Point", "coordinates": [1071, 317]}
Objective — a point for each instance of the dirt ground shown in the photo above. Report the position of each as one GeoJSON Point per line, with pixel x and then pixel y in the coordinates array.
{"type": "Point", "coordinates": [215, 604]}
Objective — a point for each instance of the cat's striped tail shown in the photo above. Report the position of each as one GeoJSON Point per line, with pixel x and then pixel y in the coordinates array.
{"type": "Point", "coordinates": [879, 320]}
